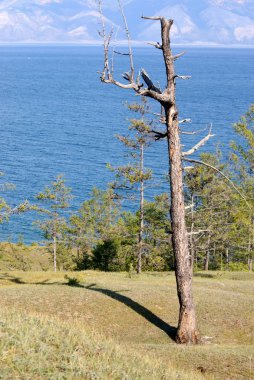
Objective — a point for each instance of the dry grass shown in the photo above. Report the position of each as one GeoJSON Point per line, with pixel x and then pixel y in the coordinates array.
{"type": "Point", "coordinates": [23, 257]}
{"type": "Point", "coordinates": [137, 316]}
{"type": "Point", "coordinates": [38, 347]}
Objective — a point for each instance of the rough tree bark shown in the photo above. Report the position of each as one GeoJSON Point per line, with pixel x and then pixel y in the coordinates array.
{"type": "Point", "coordinates": [191, 240]}
{"type": "Point", "coordinates": [187, 327]}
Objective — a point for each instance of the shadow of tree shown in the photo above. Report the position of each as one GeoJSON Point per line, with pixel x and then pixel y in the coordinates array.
{"type": "Point", "coordinates": [135, 306]}
{"type": "Point", "coordinates": [115, 295]}
{"type": "Point", "coordinates": [18, 280]}
{"type": "Point", "coordinates": [204, 275]}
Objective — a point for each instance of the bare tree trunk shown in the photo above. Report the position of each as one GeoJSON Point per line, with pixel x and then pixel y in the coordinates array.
{"type": "Point", "coordinates": [207, 257]}
{"type": "Point", "coordinates": [78, 253]}
{"type": "Point", "coordinates": [251, 246]}
{"type": "Point", "coordinates": [250, 264]}
{"type": "Point", "coordinates": [187, 328]}
{"type": "Point", "coordinates": [54, 253]}
{"type": "Point", "coordinates": [221, 261]}
{"type": "Point", "coordinates": [227, 259]}
{"type": "Point", "coordinates": [141, 223]}
{"type": "Point", "coordinates": [192, 248]}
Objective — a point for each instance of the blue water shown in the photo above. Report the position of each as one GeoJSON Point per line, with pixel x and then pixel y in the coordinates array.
{"type": "Point", "coordinates": [56, 116]}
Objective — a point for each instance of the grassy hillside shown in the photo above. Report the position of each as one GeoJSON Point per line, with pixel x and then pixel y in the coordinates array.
{"type": "Point", "coordinates": [24, 257]}
{"type": "Point", "coordinates": [110, 326]}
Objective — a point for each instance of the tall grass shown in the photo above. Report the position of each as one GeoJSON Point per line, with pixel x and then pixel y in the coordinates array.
{"type": "Point", "coordinates": [37, 347]}
{"type": "Point", "coordinates": [111, 326]}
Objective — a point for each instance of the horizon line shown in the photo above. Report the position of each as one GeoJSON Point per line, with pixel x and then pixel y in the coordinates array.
{"type": "Point", "coordinates": [136, 44]}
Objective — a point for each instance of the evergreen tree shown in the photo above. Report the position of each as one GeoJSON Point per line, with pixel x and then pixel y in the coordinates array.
{"type": "Point", "coordinates": [56, 197]}
{"type": "Point", "coordinates": [157, 234]}
{"type": "Point", "coordinates": [244, 149]}
{"type": "Point", "coordinates": [134, 175]}
{"type": "Point", "coordinates": [6, 210]}
{"type": "Point", "coordinates": [242, 160]}
{"type": "Point", "coordinates": [94, 225]}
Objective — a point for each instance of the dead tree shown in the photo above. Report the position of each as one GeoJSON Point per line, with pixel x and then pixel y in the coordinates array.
{"type": "Point", "coordinates": [187, 331]}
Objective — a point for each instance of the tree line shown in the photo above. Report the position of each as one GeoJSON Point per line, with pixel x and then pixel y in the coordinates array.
{"type": "Point", "coordinates": [103, 235]}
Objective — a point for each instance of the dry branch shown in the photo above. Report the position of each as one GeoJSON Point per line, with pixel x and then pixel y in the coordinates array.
{"type": "Point", "coordinates": [149, 82]}
{"type": "Point", "coordinates": [179, 55]}
{"type": "Point", "coordinates": [157, 45]}
{"type": "Point", "coordinates": [106, 42]}
{"type": "Point", "coordinates": [119, 53]}
{"type": "Point", "coordinates": [182, 77]}
{"type": "Point", "coordinates": [184, 121]}
{"type": "Point", "coordinates": [199, 144]}
{"type": "Point", "coordinates": [159, 135]}
{"type": "Point", "coordinates": [162, 118]}
{"type": "Point", "coordinates": [128, 39]}
{"type": "Point", "coordinates": [193, 132]}
{"type": "Point", "coordinates": [154, 18]}
{"type": "Point", "coordinates": [189, 206]}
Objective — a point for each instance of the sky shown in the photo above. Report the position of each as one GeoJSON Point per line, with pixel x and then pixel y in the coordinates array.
{"type": "Point", "coordinates": [196, 22]}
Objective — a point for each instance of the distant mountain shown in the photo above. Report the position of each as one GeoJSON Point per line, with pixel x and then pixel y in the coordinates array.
{"type": "Point", "coordinates": [199, 22]}
{"type": "Point", "coordinates": [48, 21]}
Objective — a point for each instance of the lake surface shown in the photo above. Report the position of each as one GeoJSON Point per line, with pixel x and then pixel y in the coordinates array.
{"type": "Point", "coordinates": [57, 117]}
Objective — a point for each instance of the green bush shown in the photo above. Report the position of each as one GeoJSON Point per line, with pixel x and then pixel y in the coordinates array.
{"type": "Point", "coordinates": [74, 281]}
{"type": "Point", "coordinates": [236, 267]}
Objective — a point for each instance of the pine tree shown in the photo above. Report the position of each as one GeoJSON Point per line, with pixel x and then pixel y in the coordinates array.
{"type": "Point", "coordinates": [6, 210]}
{"type": "Point", "coordinates": [94, 224]}
{"type": "Point", "coordinates": [243, 166]}
{"type": "Point", "coordinates": [56, 197]}
{"type": "Point", "coordinates": [134, 175]}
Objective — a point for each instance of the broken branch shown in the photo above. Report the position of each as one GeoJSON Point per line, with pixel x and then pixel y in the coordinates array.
{"type": "Point", "coordinates": [106, 43]}
{"type": "Point", "coordinates": [157, 45]}
{"type": "Point", "coordinates": [193, 132]}
{"type": "Point", "coordinates": [184, 121]}
{"type": "Point", "coordinates": [182, 76]}
{"type": "Point", "coordinates": [156, 18]}
{"type": "Point", "coordinates": [199, 144]}
{"type": "Point", "coordinates": [149, 82]}
{"type": "Point", "coordinates": [118, 52]}
{"type": "Point", "coordinates": [159, 135]}
{"type": "Point", "coordinates": [128, 39]}
{"type": "Point", "coordinates": [179, 55]}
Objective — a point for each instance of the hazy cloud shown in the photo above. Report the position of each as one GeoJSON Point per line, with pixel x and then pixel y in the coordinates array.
{"type": "Point", "coordinates": [228, 2]}
{"type": "Point", "coordinates": [244, 33]}
{"type": "Point", "coordinates": [42, 2]}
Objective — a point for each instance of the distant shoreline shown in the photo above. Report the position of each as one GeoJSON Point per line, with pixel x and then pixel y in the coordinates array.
{"type": "Point", "coordinates": [135, 45]}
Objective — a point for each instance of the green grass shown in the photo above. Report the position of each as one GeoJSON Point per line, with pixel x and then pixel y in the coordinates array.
{"type": "Point", "coordinates": [110, 326]}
